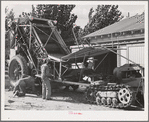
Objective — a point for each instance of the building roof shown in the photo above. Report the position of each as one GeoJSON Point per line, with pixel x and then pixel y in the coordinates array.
{"type": "Point", "coordinates": [132, 23]}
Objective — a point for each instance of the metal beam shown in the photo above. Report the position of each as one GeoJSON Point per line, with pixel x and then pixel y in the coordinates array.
{"type": "Point", "coordinates": [48, 38]}
{"type": "Point", "coordinates": [41, 25]}
{"type": "Point", "coordinates": [27, 49]}
{"type": "Point", "coordinates": [101, 61]}
{"type": "Point", "coordinates": [30, 38]}
{"type": "Point", "coordinates": [75, 83]}
{"type": "Point", "coordinates": [25, 25]}
{"type": "Point", "coordinates": [60, 69]}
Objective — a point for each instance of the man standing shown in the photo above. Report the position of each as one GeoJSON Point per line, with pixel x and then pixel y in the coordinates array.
{"type": "Point", "coordinates": [21, 85]}
{"type": "Point", "coordinates": [45, 74]}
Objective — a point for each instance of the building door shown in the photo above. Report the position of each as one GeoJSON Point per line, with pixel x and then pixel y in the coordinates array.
{"type": "Point", "coordinates": [136, 54]}
{"type": "Point", "coordinates": [133, 52]}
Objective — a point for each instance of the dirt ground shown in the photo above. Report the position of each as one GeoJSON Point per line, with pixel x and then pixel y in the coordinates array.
{"type": "Point", "coordinates": [61, 100]}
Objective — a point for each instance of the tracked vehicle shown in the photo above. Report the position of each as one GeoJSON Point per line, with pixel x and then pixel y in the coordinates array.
{"type": "Point", "coordinates": [124, 88]}
{"type": "Point", "coordinates": [34, 39]}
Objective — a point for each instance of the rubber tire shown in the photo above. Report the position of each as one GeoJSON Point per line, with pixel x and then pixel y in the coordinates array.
{"type": "Point", "coordinates": [18, 59]}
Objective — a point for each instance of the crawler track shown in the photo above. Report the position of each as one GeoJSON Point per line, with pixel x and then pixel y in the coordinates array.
{"type": "Point", "coordinates": [117, 95]}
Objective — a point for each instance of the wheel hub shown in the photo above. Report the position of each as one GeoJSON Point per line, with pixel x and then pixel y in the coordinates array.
{"type": "Point", "coordinates": [109, 101]}
{"type": "Point", "coordinates": [98, 100]}
{"type": "Point", "coordinates": [124, 96]}
{"type": "Point", "coordinates": [16, 72]}
{"type": "Point", "coordinates": [114, 102]}
{"type": "Point", "coordinates": [103, 100]}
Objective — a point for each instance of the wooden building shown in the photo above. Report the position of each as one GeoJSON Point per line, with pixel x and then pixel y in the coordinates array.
{"type": "Point", "coordinates": [127, 36]}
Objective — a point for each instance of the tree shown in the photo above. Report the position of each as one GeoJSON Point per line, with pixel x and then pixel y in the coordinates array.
{"type": "Point", "coordinates": [104, 15]}
{"type": "Point", "coordinates": [9, 17]}
{"type": "Point", "coordinates": [62, 14]}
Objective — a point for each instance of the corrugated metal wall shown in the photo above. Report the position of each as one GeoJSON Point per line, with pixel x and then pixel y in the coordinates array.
{"type": "Point", "coordinates": [136, 54]}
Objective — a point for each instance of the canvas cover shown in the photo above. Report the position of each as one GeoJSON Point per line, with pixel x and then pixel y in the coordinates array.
{"type": "Point", "coordinates": [85, 52]}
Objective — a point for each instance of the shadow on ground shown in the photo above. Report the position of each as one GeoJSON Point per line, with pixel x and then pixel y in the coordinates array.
{"type": "Point", "coordinates": [73, 96]}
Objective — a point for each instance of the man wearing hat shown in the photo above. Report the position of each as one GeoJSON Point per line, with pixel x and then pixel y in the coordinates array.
{"type": "Point", "coordinates": [91, 63]}
{"type": "Point", "coordinates": [45, 74]}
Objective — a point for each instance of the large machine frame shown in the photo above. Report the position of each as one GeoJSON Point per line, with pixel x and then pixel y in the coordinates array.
{"type": "Point", "coordinates": [30, 37]}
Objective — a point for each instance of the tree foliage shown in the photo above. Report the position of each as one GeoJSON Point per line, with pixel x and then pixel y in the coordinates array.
{"type": "Point", "coordinates": [60, 13]}
{"type": "Point", "coordinates": [103, 16]}
{"type": "Point", "coordinates": [9, 17]}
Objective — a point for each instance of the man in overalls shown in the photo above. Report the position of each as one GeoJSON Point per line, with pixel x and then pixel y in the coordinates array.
{"type": "Point", "coordinates": [24, 82]}
{"type": "Point", "coordinates": [45, 74]}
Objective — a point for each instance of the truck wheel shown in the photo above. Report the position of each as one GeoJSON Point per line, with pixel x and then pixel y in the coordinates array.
{"type": "Point", "coordinates": [17, 67]}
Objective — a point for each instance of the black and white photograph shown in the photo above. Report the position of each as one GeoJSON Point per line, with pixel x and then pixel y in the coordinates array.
{"type": "Point", "coordinates": [74, 60]}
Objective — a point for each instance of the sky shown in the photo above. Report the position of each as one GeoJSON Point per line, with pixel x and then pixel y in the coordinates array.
{"type": "Point", "coordinates": [82, 10]}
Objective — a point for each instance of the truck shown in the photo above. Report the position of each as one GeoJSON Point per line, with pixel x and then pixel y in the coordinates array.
{"type": "Point", "coordinates": [34, 40]}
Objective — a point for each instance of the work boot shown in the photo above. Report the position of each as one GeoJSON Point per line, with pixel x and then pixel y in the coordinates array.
{"type": "Point", "coordinates": [49, 99]}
